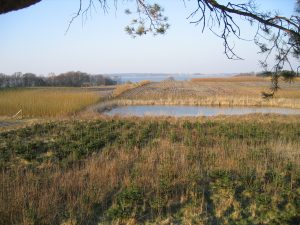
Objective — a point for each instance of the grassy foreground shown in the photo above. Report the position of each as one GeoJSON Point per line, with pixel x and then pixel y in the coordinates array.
{"type": "Point", "coordinates": [45, 102]}
{"type": "Point", "coordinates": [154, 171]}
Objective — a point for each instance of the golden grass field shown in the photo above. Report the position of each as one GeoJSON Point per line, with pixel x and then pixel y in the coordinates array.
{"type": "Point", "coordinates": [231, 79]}
{"type": "Point", "coordinates": [45, 102]}
{"type": "Point", "coordinates": [120, 89]}
{"type": "Point", "coordinates": [233, 91]}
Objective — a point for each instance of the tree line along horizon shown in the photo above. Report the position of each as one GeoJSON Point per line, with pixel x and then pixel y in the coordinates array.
{"type": "Point", "coordinates": [82, 79]}
{"type": "Point", "coordinates": [68, 79]}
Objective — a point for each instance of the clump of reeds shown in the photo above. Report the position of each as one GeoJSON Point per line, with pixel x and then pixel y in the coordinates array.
{"type": "Point", "coordinates": [238, 91]}
{"type": "Point", "coordinates": [120, 89]}
{"type": "Point", "coordinates": [48, 102]}
{"type": "Point", "coordinates": [215, 101]}
{"type": "Point", "coordinates": [231, 79]}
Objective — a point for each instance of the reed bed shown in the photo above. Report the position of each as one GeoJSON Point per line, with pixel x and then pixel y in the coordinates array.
{"type": "Point", "coordinates": [122, 88]}
{"type": "Point", "coordinates": [151, 171]}
{"type": "Point", "coordinates": [215, 101]}
{"type": "Point", "coordinates": [47, 102]}
{"type": "Point", "coordinates": [212, 93]}
{"type": "Point", "coordinates": [232, 79]}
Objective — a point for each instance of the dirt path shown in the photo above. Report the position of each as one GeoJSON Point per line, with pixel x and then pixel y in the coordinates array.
{"type": "Point", "coordinates": [7, 124]}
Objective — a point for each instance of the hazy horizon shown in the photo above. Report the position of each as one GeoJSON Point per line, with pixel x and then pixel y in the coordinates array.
{"type": "Point", "coordinates": [137, 73]}
{"type": "Point", "coordinates": [34, 40]}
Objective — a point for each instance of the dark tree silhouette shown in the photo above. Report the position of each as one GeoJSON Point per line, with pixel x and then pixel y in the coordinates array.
{"type": "Point", "coordinates": [11, 5]}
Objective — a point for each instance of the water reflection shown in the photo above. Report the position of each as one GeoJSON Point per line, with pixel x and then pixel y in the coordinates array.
{"type": "Point", "coordinates": [178, 111]}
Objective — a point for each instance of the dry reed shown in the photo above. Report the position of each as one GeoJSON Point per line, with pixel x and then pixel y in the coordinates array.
{"type": "Point", "coordinates": [221, 93]}
{"type": "Point", "coordinates": [120, 89]}
{"type": "Point", "coordinates": [213, 101]}
{"type": "Point", "coordinates": [48, 102]}
{"type": "Point", "coordinates": [232, 79]}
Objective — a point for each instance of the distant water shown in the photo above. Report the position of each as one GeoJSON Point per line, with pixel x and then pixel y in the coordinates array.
{"type": "Point", "coordinates": [136, 77]}
{"type": "Point", "coordinates": [179, 111]}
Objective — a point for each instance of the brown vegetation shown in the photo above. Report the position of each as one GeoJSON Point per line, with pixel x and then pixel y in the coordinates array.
{"type": "Point", "coordinates": [45, 102]}
{"type": "Point", "coordinates": [122, 88]}
{"type": "Point", "coordinates": [153, 171]}
{"type": "Point", "coordinates": [232, 79]}
{"type": "Point", "coordinates": [237, 91]}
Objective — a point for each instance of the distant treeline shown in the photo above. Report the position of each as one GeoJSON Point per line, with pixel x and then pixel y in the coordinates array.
{"type": "Point", "coordinates": [69, 79]}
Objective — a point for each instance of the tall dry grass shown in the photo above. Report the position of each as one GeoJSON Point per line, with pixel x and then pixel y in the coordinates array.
{"type": "Point", "coordinates": [167, 175]}
{"type": "Point", "coordinates": [214, 101]}
{"type": "Point", "coordinates": [232, 79]}
{"type": "Point", "coordinates": [48, 102]}
{"type": "Point", "coordinates": [215, 172]}
{"type": "Point", "coordinates": [237, 91]}
{"type": "Point", "coordinates": [120, 89]}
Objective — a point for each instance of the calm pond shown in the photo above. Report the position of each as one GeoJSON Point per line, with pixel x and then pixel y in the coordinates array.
{"type": "Point", "coordinates": [178, 111]}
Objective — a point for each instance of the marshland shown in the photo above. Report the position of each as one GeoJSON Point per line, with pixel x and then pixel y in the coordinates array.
{"type": "Point", "coordinates": [75, 165]}
{"type": "Point", "coordinates": [188, 112]}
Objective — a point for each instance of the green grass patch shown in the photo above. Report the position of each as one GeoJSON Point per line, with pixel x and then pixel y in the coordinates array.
{"type": "Point", "coordinates": [151, 171]}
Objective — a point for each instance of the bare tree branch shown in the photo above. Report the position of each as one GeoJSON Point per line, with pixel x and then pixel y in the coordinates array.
{"type": "Point", "coordinates": [276, 35]}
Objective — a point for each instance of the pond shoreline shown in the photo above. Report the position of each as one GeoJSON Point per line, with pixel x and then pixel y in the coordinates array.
{"type": "Point", "coordinates": [114, 103]}
{"type": "Point", "coordinates": [188, 110]}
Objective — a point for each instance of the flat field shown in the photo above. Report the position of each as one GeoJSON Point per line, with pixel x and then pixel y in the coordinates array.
{"type": "Point", "coordinates": [235, 91]}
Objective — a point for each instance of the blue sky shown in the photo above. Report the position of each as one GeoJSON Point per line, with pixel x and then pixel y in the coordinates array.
{"type": "Point", "coordinates": [34, 40]}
